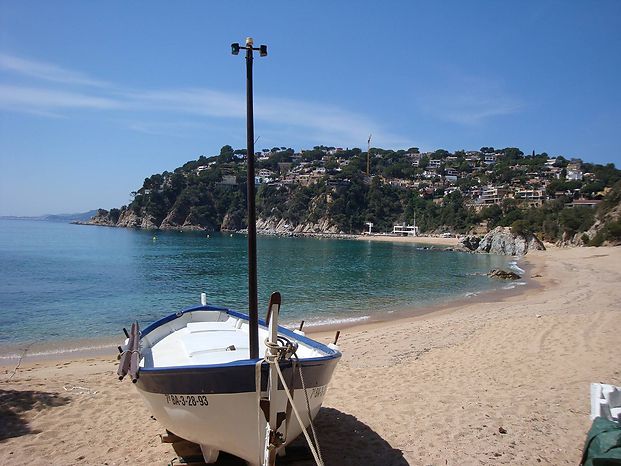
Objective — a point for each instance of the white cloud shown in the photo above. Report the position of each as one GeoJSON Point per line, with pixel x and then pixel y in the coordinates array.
{"type": "Point", "coordinates": [326, 122]}
{"type": "Point", "coordinates": [308, 120]}
{"type": "Point", "coordinates": [45, 100]}
{"type": "Point", "coordinates": [198, 101]}
{"type": "Point", "coordinates": [46, 71]}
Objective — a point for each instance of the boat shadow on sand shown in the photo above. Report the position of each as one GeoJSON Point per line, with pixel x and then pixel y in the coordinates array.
{"type": "Point", "coordinates": [15, 405]}
{"type": "Point", "coordinates": [343, 441]}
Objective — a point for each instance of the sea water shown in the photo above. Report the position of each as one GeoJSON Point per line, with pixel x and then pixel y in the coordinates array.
{"type": "Point", "coordinates": [66, 282]}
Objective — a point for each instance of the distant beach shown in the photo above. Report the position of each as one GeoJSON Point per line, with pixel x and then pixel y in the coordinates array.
{"type": "Point", "coordinates": [429, 240]}
{"type": "Point", "coordinates": [505, 381]}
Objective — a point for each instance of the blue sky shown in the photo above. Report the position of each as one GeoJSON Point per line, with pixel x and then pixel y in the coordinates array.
{"type": "Point", "coordinates": [96, 96]}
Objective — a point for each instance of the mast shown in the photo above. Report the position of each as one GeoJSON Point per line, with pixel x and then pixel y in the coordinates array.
{"type": "Point", "coordinates": [253, 316]}
{"type": "Point", "coordinates": [369, 155]}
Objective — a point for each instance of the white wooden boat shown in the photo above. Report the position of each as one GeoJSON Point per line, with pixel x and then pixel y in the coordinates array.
{"type": "Point", "coordinates": [194, 372]}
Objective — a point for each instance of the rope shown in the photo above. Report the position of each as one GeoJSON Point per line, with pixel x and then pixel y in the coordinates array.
{"type": "Point", "coordinates": [257, 381]}
{"type": "Point", "coordinates": [314, 451]}
{"type": "Point", "coordinates": [288, 349]}
{"type": "Point", "coordinates": [309, 412]}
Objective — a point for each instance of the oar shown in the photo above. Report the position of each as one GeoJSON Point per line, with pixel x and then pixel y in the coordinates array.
{"type": "Point", "coordinates": [125, 359]}
{"type": "Point", "coordinates": [135, 356]}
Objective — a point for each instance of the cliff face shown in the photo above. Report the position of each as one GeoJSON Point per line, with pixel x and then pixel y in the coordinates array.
{"type": "Point", "coordinates": [231, 222]}
{"type": "Point", "coordinates": [101, 218]}
{"type": "Point", "coordinates": [277, 226]}
{"type": "Point", "coordinates": [126, 219]}
{"type": "Point", "coordinates": [129, 219]}
{"type": "Point", "coordinates": [604, 225]}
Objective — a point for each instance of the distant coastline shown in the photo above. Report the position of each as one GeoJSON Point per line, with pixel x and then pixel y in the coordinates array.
{"type": "Point", "coordinates": [63, 218]}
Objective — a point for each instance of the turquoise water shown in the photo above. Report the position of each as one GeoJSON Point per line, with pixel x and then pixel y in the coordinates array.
{"type": "Point", "coordinates": [61, 281]}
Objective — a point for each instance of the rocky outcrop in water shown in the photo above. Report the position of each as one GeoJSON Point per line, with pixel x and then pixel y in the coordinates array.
{"type": "Point", "coordinates": [501, 240]}
{"type": "Point", "coordinates": [102, 218]}
{"type": "Point", "coordinates": [503, 274]}
{"type": "Point", "coordinates": [470, 243]}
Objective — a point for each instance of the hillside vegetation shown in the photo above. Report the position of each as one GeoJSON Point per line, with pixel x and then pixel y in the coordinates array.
{"type": "Point", "coordinates": [327, 190]}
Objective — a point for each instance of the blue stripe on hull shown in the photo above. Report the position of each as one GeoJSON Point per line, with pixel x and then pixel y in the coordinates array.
{"type": "Point", "coordinates": [237, 376]}
{"type": "Point", "coordinates": [233, 378]}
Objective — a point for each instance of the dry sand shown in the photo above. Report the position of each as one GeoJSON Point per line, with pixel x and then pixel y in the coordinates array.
{"type": "Point", "coordinates": [431, 390]}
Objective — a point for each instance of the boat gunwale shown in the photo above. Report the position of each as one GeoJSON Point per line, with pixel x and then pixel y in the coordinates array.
{"type": "Point", "coordinates": [330, 352]}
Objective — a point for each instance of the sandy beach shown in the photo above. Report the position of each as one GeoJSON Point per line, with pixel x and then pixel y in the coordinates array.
{"type": "Point", "coordinates": [427, 240]}
{"type": "Point", "coordinates": [498, 382]}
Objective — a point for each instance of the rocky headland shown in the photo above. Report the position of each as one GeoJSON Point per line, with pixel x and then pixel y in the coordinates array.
{"type": "Point", "coordinates": [173, 222]}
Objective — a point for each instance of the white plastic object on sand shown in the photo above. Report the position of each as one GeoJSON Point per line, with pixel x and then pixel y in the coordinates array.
{"type": "Point", "coordinates": [605, 401]}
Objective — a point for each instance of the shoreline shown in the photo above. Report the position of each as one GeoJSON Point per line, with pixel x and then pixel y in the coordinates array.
{"type": "Point", "coordinates": [507, 381]}
{"type": "Point", "coordinates": [407, 314]}
{"type": "Point", "coordinates": [106, 345]}
{"type": "Point", "coordinates": [423, 239]}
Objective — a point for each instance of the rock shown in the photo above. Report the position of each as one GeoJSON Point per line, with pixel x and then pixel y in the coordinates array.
{"type": "Point", "coordinates": [503, 274]}
{"type": "Point", "coordinates": [502, 430]}
{"type": "Point", "coordinates": [129, 219]}
{"type": "Point", "coordinates": [471, 242]}
{"type": "Point", "coordinates": [102, 217]}
{"type": "Point", "coordinates": [174, 220]}
{"type": "Point", "coordinates": [232, 222]}
{"type": "Point", "coordinates": [502, 241]}
{"type": "Point", "coordinates": [281, 227]}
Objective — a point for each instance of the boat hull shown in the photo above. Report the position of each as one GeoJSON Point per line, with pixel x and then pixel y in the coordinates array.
{"type": "Point", "coordinates": [219, 406]}
{"type": "Point", "coordinates": [230, 422]}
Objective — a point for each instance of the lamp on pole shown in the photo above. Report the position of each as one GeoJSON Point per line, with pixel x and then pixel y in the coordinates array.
{"type": "Point", "coordinates": [252, 227]}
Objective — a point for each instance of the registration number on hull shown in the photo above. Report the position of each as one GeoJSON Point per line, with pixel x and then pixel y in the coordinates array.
{"type": "Point", "coordinates": [318, 392]}
{"type": "Point", "coordinates": [186, 400]}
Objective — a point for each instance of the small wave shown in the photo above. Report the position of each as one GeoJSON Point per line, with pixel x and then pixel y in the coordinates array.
{"type": "Point", "coordinates": [9, 356]}
{"type": "Point", "coordinates": [509, 287]}
{"type": "Point", "coordinates": [471, 294]}
{"type": "Point", "coordinates": [513, 265]}
{"type": "Point", "coordinates": [337, 320]}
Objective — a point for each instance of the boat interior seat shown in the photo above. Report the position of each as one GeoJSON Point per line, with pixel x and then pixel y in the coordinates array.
{"type": "Point", "coordinates": [196, 327]}
{"type": "Point", "coordinates": [215, 345]}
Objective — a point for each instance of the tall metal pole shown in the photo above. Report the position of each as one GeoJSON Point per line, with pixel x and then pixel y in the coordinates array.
{"type": "Point", "coordinates": [369, 156]}
{"type": "Point", "coordinates": [252, 226]}
{"type": "Point", "coordinates": [253, 316]}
